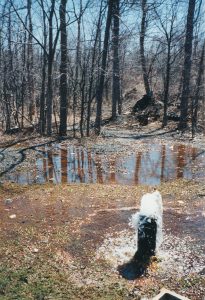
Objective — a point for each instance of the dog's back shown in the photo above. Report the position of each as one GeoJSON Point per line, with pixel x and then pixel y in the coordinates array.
{"type": "Point", "coordinates": [151, 204]}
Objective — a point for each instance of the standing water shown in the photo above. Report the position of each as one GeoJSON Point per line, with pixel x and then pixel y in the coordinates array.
{"type": "Point", "coordinates": [75, 164]}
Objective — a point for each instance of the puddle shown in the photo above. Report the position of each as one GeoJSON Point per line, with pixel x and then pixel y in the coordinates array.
{"type": "Point", "coordinates": [151, 166]}
{"type": "Point", "coordinates": [176, 253]}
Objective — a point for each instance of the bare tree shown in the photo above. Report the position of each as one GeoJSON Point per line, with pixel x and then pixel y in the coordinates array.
{"type": "Point", "coordinates": [199, 87]}
{"type": "Point", "coordinates": [91, 91]}
{"type": "Point", "coordinates": [42, 119]}
{"type": "Point", "coordinates": [40, 72]}
{"type": "Point", "coordinates": [187, 66]}
{"type": "Point", "coordinates": [170, 30]}
{"type": "Point", "coordinates": [30, 62]}
{"type": "Point", "coordinates": [116, 67]}
{"type": "Point", "coordinates": [144, 8]}
{"type": "Point", "coordinates": [77, 65]}
{"type": "Point", "coordinates": [63, 70]}
{"type": "Point", "coordinates": [99, 94]}
{"type": "Point", "coordinates": [51, 52]}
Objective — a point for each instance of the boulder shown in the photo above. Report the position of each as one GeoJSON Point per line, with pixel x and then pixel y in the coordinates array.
{"type": "Point", "coordinates": [142, 104]}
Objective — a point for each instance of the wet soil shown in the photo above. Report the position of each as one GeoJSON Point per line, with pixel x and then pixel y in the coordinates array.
{"type": "Point", "coordinates": [66, 241]}
{"type": "Point", "coordinates": [58, 233]}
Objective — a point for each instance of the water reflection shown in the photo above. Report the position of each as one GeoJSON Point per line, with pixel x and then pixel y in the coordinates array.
{"type": "Point", "coordinates": [181, 162]}
{"type": "Point", "coordinates": [76, 164]}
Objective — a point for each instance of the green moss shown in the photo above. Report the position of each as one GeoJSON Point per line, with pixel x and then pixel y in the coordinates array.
{"type": "Point", "coordinates": [24, 284]}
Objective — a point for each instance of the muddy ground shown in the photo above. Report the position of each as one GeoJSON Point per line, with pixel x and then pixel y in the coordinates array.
{"type": "Point", "coordinates": [67, 241]}
{"type": "Point", "coordinates": [35, 159]}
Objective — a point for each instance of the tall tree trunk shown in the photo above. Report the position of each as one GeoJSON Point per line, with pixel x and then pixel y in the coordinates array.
{"type": "Point", "coordinates": [83, 97]}
{"type": "Point", "coordinates": [7, 102]}
{"type": "Point", "coordinates": [142, 51]}
{"type": "Point", "coordinates": [8, 72]}
{"type": "Point", "coordinates": [195, 104]}
{"type": "Point", "coordinates": [77, 64]}
{"type": "Point", "coordinates": [63, 71]}
{"type": "Point", "coordinates": [42, 97]}
{"type": "Point", "coordinates": [116, 67]}
{"type": "Point", "coordinates": [167, 82]}
{"type": "Point", "coordinates": [42, 122]}
{"type": "Point", "coordinates": [99, 93]}
{"type": "Point", "coordinates": [30, 63]}
{"type": "Point", "coordinates": [187, 66]}
{"type": "Point", "coordinates": [49, 102]}
{"type": "Point", "coordinates": [91, 82]}
{"type": "Point", "coordinates": [23, 83]}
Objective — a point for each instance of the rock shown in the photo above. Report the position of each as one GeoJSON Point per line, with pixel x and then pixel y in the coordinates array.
{"type": "Point", "coordinates": [8, 201]}
{"type": "Point", "coordinates": [172, 116]}
{"type": "Point", "coordinates": [146, 109]}
{"type": "Point", "coordinates": [12, 216]}
{"type": "Point", "coordinates": [35, 250]}
{"type": "Point", "coordinates": [142, 104]}
{"type": "Point", "coordinates": [143, 120]}
{"type": "Point", "coordinates": [51, 179]}
{"type": "Point", "coordinates": [13, 130]}
{"type": "Point", "coordinates": [82, 267]}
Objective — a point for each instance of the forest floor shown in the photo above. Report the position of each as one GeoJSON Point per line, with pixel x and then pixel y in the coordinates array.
{"type": "Point", "coordinates": [67, 241]}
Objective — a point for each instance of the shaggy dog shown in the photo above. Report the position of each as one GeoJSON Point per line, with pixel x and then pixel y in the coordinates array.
{"type": "Point", "coordinates": [148, 224]}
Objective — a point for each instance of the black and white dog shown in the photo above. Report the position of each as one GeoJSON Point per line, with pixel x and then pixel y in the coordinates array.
{"type": "Point", "coordinates": [148, 224]}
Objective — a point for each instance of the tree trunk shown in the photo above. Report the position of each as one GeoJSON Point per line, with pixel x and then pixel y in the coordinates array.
{"type": "Point", "coordinates": [42, 97]}
{"type": "Point", "coordinates": [195, 105]}
{"type": "Point", "coordinates": [42, 122]}
{"type": "Point", "coordinates": [91, 83]}
{"type": "Point", "coordinates": [30, 63]}
{"type": "Point", "coordinates": [7, 103]}
{"type": "Point", "coordinates": [99, 93]}
{"type": "Point", "coordinates": [23, 84]}
{"type": "Point", "coordinates": [187, 66]}
{"type": "Point", "coordinates": [83, 98]}
{"type": "Point", "coordinates": [49, 102]}
{"type": "Point", "coordinates": [142, 52]}
{"type": "Point", "coordinates": [167, 81]}
{"type": "Point", "coordinates": [77, 64]}
{"type": "Point", "coordinates": [116, 67]}
{"type": "Point", "coordinates": [63, 71]}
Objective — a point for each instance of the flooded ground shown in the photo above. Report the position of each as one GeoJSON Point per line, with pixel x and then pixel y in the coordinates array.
{"type": "Point", "coordinates": [67, 241]}
{"type": "Point", "coordinates": [151, 164]}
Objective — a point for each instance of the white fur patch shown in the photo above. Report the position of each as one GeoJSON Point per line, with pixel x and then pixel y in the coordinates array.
{"type": "Point", "coordinates": [151, 206]}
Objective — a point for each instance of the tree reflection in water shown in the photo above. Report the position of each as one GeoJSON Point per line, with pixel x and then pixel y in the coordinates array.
{"type": "Point", "coordinates": [77, 164]}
